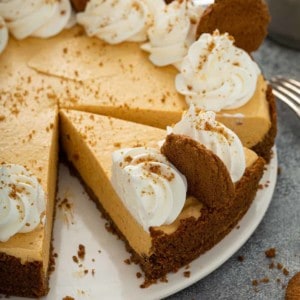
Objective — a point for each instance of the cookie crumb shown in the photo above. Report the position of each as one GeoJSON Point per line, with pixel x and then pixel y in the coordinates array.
{"type": "Point", "coordinates": [285, 272]}
{"type": "Point", "coordinates": [255, 282]}
{"type": "Point", "coordinates": [270, 253]}
{"type": "Point", "coordinates": [81, 251]}
{"type": "Point", "coordinates": [68, 298]}
{"type": "Point", "coordinates": [187, 274]}
{"type": "Point", "coordinates": [265, 280]}
{"type": "Point", "coordinates": [75, 259]}
{"type": "Point", "coordinates": [138, 274]}
{"type": "Point", "coordinates": [127, 261]}
{"type": "Point", "coordinates": [241, 258]}
{"type": "Point", "coordinates": [279, 170]}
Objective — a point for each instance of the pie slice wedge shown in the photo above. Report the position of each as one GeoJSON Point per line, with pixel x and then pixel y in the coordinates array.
{"type": "Point", "coordinates": [89, 141]}
{"type": "Point", "coordinates": [28, 167]}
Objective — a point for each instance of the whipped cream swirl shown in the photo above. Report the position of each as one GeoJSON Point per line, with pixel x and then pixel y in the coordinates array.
{"type": "Point", "coordinates": [3, 34]}
{"type": "Point", "coordinates": [217, 75]}
{"type": "Point", "coordinates": [22, 201]}
{"type": "Point", "coordinates": [39, 18]}
{"type": "Point", "coordinates": [116, 21]}
{"type": "Point", "coordinates": [151, 188]}
{"type": "Point", "coordinates": [172, 32]}
{"type": "Point", "coordinates": [202, 127]}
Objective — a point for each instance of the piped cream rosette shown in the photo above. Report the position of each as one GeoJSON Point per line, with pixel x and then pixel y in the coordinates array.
{"type": "Point", "coordinates": [22, 201]}
{"type": "Point", "coordinates": [38, 18]}
{"type": "Point", "coordinates": [216, 75]}
{"type": "Point", "coordinates": [150, 187]}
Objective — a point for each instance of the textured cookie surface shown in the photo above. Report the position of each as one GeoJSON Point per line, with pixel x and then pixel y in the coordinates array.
{"type": "Point", "coordinates": [245, 20]}
{"type": "Point", "coordinates": [293, 288]}
{"type": "Point", "coordinates": [207, 176]}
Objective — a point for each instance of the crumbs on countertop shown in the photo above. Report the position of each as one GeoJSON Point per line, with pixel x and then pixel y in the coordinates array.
{"type": "Point", "coordinates": [270, 253]}
{"type": "Point", "coordinates": [273, 265]}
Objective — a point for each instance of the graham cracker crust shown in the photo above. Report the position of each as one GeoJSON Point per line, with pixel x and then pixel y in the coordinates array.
{"type": "Point", "coordinates": [25, 280]}
{"type": "Point", "coordinates": [264, 147]}
{"type": "Point", "coordinates": [193, 236]}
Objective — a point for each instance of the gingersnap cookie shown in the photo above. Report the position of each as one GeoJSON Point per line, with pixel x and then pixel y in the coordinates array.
{"type": "Point", "coordinates": [207, 176]}
{"type": "Point", "coordinates": [246, 20]}
{"type": "Point", "coordinates": [293, 288]}
{"type": "Point", "coordinates": [79, 5]}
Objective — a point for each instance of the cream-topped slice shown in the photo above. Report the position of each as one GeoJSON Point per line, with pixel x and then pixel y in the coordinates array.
{"type": "Point", "coordinates": [89, 141]}
{"type": "Point", "coordinates": [28, 126]}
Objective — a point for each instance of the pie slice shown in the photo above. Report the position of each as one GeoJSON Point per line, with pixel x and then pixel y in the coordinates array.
{"type": "Point", "coordinates": [89, 140]}
{"type": "Point", "coordinates": [29, 153]}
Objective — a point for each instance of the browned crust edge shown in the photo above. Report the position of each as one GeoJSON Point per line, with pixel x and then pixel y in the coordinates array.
{"type": "Point", "coordinates": [25, 280]}
{"type": "Point", "coordinates": [264, 147]}
{"type": "Point", "coordinates": [193, 237]}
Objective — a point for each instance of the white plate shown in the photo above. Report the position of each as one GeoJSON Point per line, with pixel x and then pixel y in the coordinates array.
{"type": "Point", "coordinates": [113, 279]}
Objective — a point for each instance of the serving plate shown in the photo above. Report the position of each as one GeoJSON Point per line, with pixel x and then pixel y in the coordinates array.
{"type": "Point", "coordinates": [104, 273]}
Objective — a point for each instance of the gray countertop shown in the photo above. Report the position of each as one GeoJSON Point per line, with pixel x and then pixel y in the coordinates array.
{"type": "Point", "coordinates": [280, 228]}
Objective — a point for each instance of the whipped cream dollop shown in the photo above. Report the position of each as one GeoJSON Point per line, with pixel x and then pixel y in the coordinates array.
{"type": "Point", "coordinates": [22, 201]}
{"type": "Point", "coordinates": [151, 188]}
{"type": "Point", "coordinates": [217, 75]}
{"type": "Point", "coordinates": [116, 21]}
{"type": "Point", "coordinates": [3, 34]}
{"type": "Point", "coordinates": [39, 18]}
{"type": "Point", "coordinates": [172, 32]}
{"type": "Point", "coordinates": [202, 126]}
